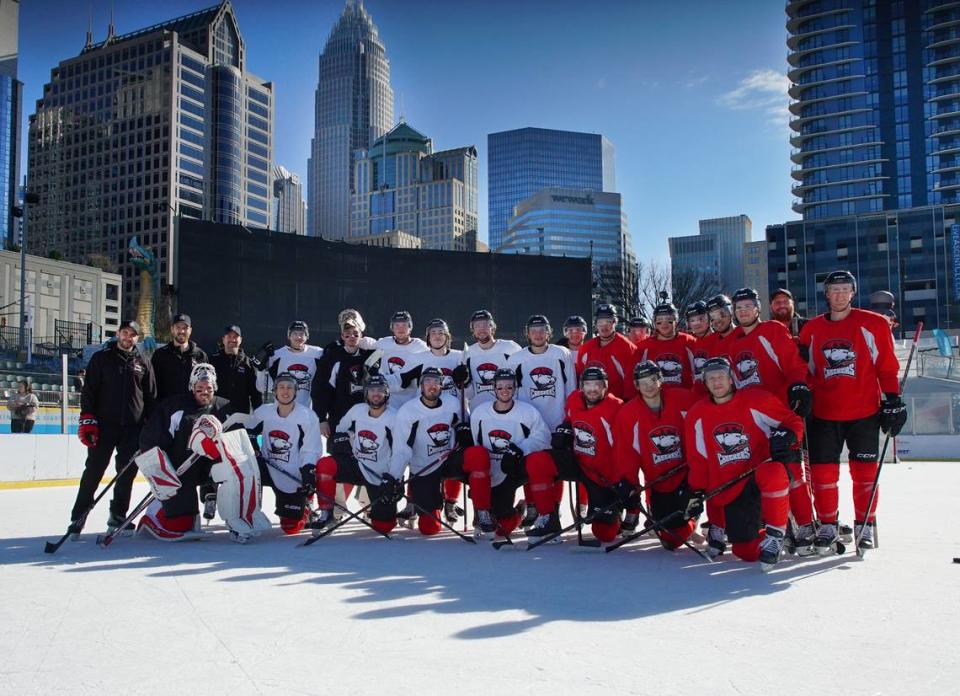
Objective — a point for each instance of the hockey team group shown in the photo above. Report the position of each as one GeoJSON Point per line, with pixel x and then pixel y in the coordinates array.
{"type": "Point", "coordinates": [737, 419]}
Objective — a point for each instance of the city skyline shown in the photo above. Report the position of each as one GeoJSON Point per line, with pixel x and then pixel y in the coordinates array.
{"type": "Point", "coordinates": [699, 124]}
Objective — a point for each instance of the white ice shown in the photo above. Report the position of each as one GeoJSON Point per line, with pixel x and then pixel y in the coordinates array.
{"type": "Point", "coordinates": [358, 614]}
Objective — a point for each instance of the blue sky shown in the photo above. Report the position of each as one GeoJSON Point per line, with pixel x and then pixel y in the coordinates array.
{"type": "Point", "coordinates": [692, 93]}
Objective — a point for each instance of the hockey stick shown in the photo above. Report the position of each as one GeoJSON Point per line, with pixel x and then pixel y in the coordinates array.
{"type": "Point", "coordinates": [463, 418]}
{"type": "Point", "coordinates": [52, 547]}
{"type": "Point", "coordinates": [883, 454]}
{"type": "Point", "coordinates": [654, 525]}
{"type": "Point", "coordinates": [428, 513]}
{"type": "Point", "coordinates": [349, 516]}
{"type": "Point", "coordinates": [104, 540]}
{"type": "Point", "coordinates": [577, 517]}
{"type": "Point", "coordinates": [659, 524]}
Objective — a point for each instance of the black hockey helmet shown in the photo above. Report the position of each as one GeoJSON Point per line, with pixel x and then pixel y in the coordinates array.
{"type": "Point", "coordinates": [298, 325]}
{"type": "Point", "coordinates": [717, 363]}
{"type": "Point", "coordinates": [504, 374]}
{"type": "Point", "coordinates": [376, 381]}
{"type": "Point", "coordinates": [646, 368]}
{"type": "Point", "coordinates": [665, 309]}
{"type": "Point", "coordinates": [839, 278]}
{"type": "Point", "coordinates": [431, 373]}
{"type": "Point", "coordinates": [720, 302]}
{"type": "Point", "coordinates": [593, 372]}
{"type": "Point", "coordinates": [882, 299]}
{"type": "Point", "coordinates": [285, 377]}
{"type": "Point", "coordinates": [575, 321]}
{"type": "Point", "coordinates": [605, 311]}
{"type": "Point", "coordinates": [437, 324]}
{"type": "Point", "coordinates": [695, 309]}
{"type": "Point", "coordinates": [538, 320]}
{"type": "Point", "coordinates": [401, 317]}
{"type": "Point", "coordinates": [640, 322]}
{"type": "Point", "coordinates": [481, 315]}
{"type": "Point", "coordinates": [747, 294]}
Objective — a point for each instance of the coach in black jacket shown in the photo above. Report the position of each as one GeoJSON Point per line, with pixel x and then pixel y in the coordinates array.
{"type": "Point", "coordinates": [236, 377]}
{"type": "Point", "coordinates": [117, 396]}
{"type": "Point", "coordinates": [174, 361]}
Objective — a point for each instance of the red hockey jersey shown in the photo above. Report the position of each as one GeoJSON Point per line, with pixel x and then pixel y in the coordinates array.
{"type": "Point", "coordinates": [653, 442]}
{"type": "Point", "coordinates": [767, 357]}
{"type": "Point", "coordinates": [674, 356]}
{"type": "Point", "coordinates": [593, 436]}
{"type": "Point", "coordinates": [616, 357]}
{"type": "Point", "coordinates": [724, 440]}
{"type": "Point", "coordinates": [852, 361]}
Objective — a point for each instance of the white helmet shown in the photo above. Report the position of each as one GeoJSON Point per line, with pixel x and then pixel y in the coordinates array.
{"type": "Point", "coordinates": [203, 372]}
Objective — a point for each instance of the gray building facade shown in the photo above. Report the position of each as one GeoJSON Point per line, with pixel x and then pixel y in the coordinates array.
{"type": "Point", "coordinates": [11, 101]}
{"type": "Point", "coordinates": [289, 210]}
{"type": "Point", "coordinates": [716, 254]}
{"type": "Point", "coordinates": [353, 107]}
{"type": "Point", "coordinates": [144, 127]}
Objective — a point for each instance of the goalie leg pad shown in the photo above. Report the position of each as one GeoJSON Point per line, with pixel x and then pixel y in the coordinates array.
{"type": "Point", "coordinates": [238, 498]}
{"type": "Point", "coordinates": [160, 472]}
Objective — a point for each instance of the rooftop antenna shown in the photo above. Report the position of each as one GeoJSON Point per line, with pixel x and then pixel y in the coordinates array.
{"type": "Point", "coordinates": [111, 30]}
{"type": "Point", "coordinates": [401, 107]}
{"type": "Point", "coordinates": [89, 42]}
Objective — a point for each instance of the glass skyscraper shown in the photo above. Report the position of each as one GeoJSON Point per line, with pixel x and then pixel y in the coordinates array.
{"type": "Point", "coordinates": [875, 104]}
{"type": "Point", "coordinates": [353, 107]}
{"type": "Point", "coordinates": [522, 162]}
{"type": "Point", "coordinates": [11, 99]}
{"type": "Point", "coordinates": [145, 126]}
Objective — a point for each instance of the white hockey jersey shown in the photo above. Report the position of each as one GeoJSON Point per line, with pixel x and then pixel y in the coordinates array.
{"type": "Point", "coordinates": [372, 439]}
{"type": "Point", "coordinates": [301, 364]}
{"type": "Point", "coordinates": [424, 436]}
{"type": "Point", "coordinates": [545, 381]}
{"type": "Point", "coordinates": [483, 365]}
{"type": "Point", "coordinates": [522, 425]}
{"type": "Point", "coordinates": [288, 443]}
{"type": "Point", "coordinates": [396, 360]}
{"type": "Point", "coordinates": [423, 360]}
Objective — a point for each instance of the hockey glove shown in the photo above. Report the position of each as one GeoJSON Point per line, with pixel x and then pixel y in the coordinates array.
{"type": "Point", "coordinates": [460, 375]}
{"type": "Point", "coordinates": [626, 493]}
{"type": "Point", "coordinates": [784, 448]}
{"type": "Point", "coordinates": [391, 489]}
{"type": "Point", "coordinates": [463, 434]}
{"type": "Point", "coordinates": [89, 431]}
{"type": "Point", "coordinates": [308, 478]}
{"type": "Point", "coordinates": [695, 504]}
{"type": "Point", "coordinates": [260, 359]}
{"type": "Point", "coordinates": [512, 461]}
{"type": "Point", "coordinates": [562, 437]}
{"type": "Point", "coordinates": [893, 414]}
{"type": "Point", "coordinates": [800, 399]}
{"type": "Point", "coordinates": [340, 445]}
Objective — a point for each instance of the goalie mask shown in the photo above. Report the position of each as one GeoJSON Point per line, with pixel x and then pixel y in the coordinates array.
{"type": "Point", "coordinates": [203, 372]}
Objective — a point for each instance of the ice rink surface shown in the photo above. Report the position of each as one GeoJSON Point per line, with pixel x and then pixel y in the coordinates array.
{"type": "Point", "coordinates": [360, 614]}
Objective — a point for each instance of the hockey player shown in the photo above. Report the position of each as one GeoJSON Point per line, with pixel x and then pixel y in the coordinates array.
{"type": "Point", "coordinates": [574, 333]}
{"type": "Point", "coordinates": [117, 397]}
{"type": "Point", "coordinates": [360, 454]}
{"type": "Point", "coordinates": [782, 310]}
{"type": "Point", "coordinates": [649, 437]}
{"type": "Point", "coordinates": [399, 354]}
{"type": "Point", "coordinates": [291, 440]}
{"type": "Point", "coordinates": [192, 423]}
{"type": "Point", "coordinates": [853, 374]}
{"type": "Point", "coordinates": [436, 444]}
{"type": "Point", "coordinates": [731, 433]}
{"type": "Point", "coordinates": [511, 436]}
{"type": "Point", "coordinates": [297, 358]}
{"type": "Point", "coordinates": [716, 343]}
{"type": "Point", "coordinates": [638, 330]}
{"type": "Point", "coordinates": [697, 320]}
{"type": "Point", "coordinates": [610, 349]}
{"type": "Point", "coordinates": [174, 361]}
{"type": "Point", "coordinates": [340, 378]}
{"type": "Point", "coordinates": [483, 359]}
{"type": "Point", "coordinates": [671, 349]}
{"type": "Point", "coordinates": [546, 376]}
{"type": "Point", "coordinates": [582, 452]}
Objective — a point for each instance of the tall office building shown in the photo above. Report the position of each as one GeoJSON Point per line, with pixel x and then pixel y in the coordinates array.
{"type": "Point", "coordinates": [11, 98]}
{"type": "Point", "coordinates": [142, 127]}
{"type": "Point", "coordinates": [289, 210]}
{"type": "Point", "coordinates": [353, 107]}
{"type": "Point", "coordinates": [875, 104]}
{"type": "Point", "coordinates": [755, 269]}
{"type": "Point", "coordinates": [716, 254]}
{"type": "Point", "coordinates": [403, 185]}
{"type": "Point", "coordinates": [580, 223]}
{"type": "Point", "coordinates": [524, 161]}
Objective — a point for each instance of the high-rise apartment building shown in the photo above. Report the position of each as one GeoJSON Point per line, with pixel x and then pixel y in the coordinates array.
{"type": "Point", "coordinates": [142, 127]}
{"type": "Point", "coordinates": [716, 254]}
{"type": "Point", "coordinates": [579, 223]}
{"type": "Point", "coordinates": [11, 99]}
{"type": "Point", "coordinates": [289, 210]}
{"type": "Point", "coordinates": [353, 107]}
{"type": "Point", "coordinates": [524, 161]}
{"type": "Point", "coordinates": [403, 185]}
{"type": "Point", "coordinates": [875, 104]}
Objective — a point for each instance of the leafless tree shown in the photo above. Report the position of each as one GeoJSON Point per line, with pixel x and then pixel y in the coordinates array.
{"type": "Point", "coordinates": [683, 287]}
{"type": "Point", "coordinates": [690, 285]}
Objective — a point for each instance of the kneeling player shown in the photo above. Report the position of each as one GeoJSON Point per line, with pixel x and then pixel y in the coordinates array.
{"type": "Point", "coordinates": [291, 439]}
{"type": "Point", "coordinates": [582, 451]}
{"type": "Point", "coordinates": [649, 436]}
{"type": "Point", "coordinates": [360, 452]}
{"type": "Point", "coordinates": [742, 432]}
{"type": "Point", "coordinates": [510, 435]}
{"type": "Point", "coordinates": [426, 430]}
{"type": "Point", "coordinates": [186, 424]}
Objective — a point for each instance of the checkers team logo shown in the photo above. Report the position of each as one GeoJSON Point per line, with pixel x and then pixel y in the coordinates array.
{"type": "Point", "coordinates": [666, 444]}
{"type": "Point", "coordinates": [733, 443]}
{"type": "Point", "coordinates": [671, 368]}
{"type": "Point", "coordinates": [584, 439]}
{"type": "Point", "coordinates": [841, 359]}
{"type": "Point", "coordinates": [279, 443]}
{"type": "Point", "coordinates": [439, 435]}
{"type": "Point", "coordinates": [543, 382]}
{"type": "Point", "coordinates": [746, 369]}
{"type": "Point", "coordinates": [485, 374]}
